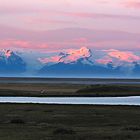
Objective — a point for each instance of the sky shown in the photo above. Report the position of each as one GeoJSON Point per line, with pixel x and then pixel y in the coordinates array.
{"type": "Point", "coordinates": [49, 26]}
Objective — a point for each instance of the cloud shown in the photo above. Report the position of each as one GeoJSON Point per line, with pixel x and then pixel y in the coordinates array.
{"type": "Point", "coordinates": [56, 40]}
{"type": "Point", "coordinates": [99, 15]}
{"type": "Point", "coordinates": [43, 20]}
{"type": "Point", "coordinates": [22, 44]}
{"type": "Point", "coordinates": [132, 4]}
{"type": "Point", "coordinates": [12, 43]}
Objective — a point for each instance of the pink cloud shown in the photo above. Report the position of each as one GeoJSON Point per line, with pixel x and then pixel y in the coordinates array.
{"type": "Point", "coordinates": [132, 4]}
{"type": "Point", "coordinates": [99, 15]}
{"type": "Point", "coordinates": [22, 44]}
{"type": "Point", "coordinates": [14, 43]}
{"type": "Point", "coordinates": [66, 38]}
{"type": "Point", "coordinates": [43, 20]}
{"type": "Point", "coordinates": [81, 40]}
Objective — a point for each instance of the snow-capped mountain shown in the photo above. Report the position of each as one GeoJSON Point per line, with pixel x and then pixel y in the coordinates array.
{"type": "Point", "coordinates": [82, 62]}
{"type": "Point", "coordinates": [119, 58]}
{"type": "Point", "coordinates": [11, 63]}
{"type": "Point", "coordinates": [70, 56]}
{"type": "Point", "coordinates": [72, 62]}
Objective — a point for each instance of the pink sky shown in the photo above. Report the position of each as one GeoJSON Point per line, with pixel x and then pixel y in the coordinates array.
{"type": "Point", "coordinates": [121, 15]}
{"type": "Point", "coordinates": [27, 24]}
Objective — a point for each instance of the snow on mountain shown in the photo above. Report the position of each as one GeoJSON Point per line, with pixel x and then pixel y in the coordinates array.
{"type": "Point", "coordinates": [71, 62]}
{"type": "Point", "coordinates": [82, 62]}
{"type": "Point", "coordinates": [70, 56]}
{"type": "Point", "coordinates": [85, 56]}
{"type": "Point", "coordinates": [119, 58]}
{"type": "Point", "coordinates": [10, 62]}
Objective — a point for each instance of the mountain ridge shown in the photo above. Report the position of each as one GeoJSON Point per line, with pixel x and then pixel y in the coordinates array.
{"type": "Point", "coordinates": [73, 62]}
{"type": "Point", "coordinates": [10, 62]}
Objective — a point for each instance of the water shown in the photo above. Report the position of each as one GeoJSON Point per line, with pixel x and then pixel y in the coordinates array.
{"type": "Point", "coordinates": [132, 100]}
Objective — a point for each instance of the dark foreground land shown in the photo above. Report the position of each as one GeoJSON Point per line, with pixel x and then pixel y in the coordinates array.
{"type": "Point", "coordinates": [68, 122]}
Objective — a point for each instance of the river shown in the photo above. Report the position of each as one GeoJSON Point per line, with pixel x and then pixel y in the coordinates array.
{"type": "Point", "coordinates": [132, 100]}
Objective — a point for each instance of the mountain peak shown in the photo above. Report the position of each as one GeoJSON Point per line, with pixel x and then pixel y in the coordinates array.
{"type": "Point", "coordinates": [83, 51]}
{"type": "Point", "coordinates": [11, 63]}
{"type": "Point", "coordinates": [69, 56]}
{"type": "Point", "coordinates": [8, 53]}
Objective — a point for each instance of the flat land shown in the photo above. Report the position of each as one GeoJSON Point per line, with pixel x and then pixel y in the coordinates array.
{"type": "Point", "coordinates": [69, 122]}
{"type": "Point", "coordinates": [65, 87]}
{"type": "Point", "coordinates": [66, 90]}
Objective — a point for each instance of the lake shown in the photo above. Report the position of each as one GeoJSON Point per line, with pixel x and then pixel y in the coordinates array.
{"type": "Point", "coordinates": [132, 100]}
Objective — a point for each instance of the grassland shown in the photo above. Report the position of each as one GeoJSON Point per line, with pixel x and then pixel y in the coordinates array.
{"type": "Point", "coordinates": [65, 90]}
{"type": "Point", "coordinates": [68, 122]}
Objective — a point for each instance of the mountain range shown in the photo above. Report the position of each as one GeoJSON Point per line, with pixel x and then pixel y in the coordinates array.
{"type": "Point", "coordinates": [82, 63]}
{"type": "Point", "coordinates": [73, 63]}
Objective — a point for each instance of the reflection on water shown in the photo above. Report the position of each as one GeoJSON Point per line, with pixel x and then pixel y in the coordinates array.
{"type": "Point", "coordinates": [135, 100]}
